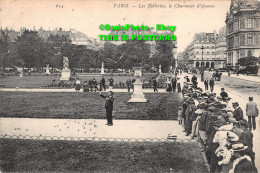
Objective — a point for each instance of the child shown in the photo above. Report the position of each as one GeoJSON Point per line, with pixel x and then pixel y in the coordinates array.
{"type": "Point", "coordinates": [180, 115]}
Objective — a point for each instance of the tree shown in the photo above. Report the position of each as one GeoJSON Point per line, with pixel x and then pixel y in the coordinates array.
{"type": "Point", "coordinates": [31, 49]}
{"type": "Point", "coordinates": [249, 64]}
{"type": "Point", "coordinates": [58, 47]}
{"type": "Point", "coordinates": [164, 54]}
{"type": "Point", "coordinates": [3, 48]}
{"type": "Point", "coordinates": [133, 53]}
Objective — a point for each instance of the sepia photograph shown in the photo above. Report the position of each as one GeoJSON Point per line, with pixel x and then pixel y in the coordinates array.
{"type": "Point", "coordinates": [130, 86]}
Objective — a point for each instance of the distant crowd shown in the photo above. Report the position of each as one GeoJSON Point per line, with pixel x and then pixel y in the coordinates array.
{"type": "Point", "coordinates": [93, 85]}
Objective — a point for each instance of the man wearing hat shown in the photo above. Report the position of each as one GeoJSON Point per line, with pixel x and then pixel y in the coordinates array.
{"type": "Point", "coordinates": [251, 113]}
{"type": "Point", "coordinates": [189, 114]}
{"type": "Point", "coordinates": [223, 93]}
{"type": "Point", "coordinates": [211, 84]}
{"type": "Point", "coordinates": [238, 113]}
{"type": "Point", "coordinates": [246, 138]}
{"type": "Point", "coordinates": [109, 107]}
{"type": "Point", "coordinates": [242, 162]}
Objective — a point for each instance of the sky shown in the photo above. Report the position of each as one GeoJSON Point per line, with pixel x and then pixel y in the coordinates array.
{"type": "Point", "coordinates": [86, 15]}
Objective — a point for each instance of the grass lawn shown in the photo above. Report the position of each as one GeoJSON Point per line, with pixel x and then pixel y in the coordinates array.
{"type": "Point", "coordinates": [40, 81]}
{"type": "Point", "coordinates": [161, 106]}
{"type": "Point", "coordinates": [87, 156]}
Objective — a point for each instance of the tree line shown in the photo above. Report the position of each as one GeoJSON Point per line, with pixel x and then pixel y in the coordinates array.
{"type": "Point", "coordinates": [31, 51]}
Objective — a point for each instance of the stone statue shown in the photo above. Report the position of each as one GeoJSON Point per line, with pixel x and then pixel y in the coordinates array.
{"type": "Point", "coordinates": [65, 72]}
{"type": "Point", "coordinates": [65, 62]}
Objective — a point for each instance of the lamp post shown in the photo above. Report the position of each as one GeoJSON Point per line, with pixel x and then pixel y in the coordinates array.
{"type": "Point", "coordinates": [202, 66]}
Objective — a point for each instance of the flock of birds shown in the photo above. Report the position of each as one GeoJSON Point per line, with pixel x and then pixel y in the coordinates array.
{"type": "Point", "coordinates": [75, 126]}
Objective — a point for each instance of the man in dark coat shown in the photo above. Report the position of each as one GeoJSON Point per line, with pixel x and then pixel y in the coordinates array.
{"type": "Point", "coordinates": [238, 112]}
{"type": "Point", "coordinates": [211, 84]}
{"type": "Point", "coordinates": [223, 93]}
{"type": "Point", "coordinates": [103, 84]}
{"type": "Point", "coordinates": [174, 83]}
{"type": "Point", "coordinates": [94, 84]}
{"type": "Point", "coordinates": [109, 107]}
{"type": "Point", "coordinates": [193, 79]}
{"type": "Point", "coordinates": [206, 84]}
{"type": "Point", "coordinates": [155, 85]}
{"type": "Point", "coordinates": [128, 85]}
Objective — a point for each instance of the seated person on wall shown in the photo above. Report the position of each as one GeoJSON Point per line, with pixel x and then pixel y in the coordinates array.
{"type": "Point", "coordinates": [223, 93]}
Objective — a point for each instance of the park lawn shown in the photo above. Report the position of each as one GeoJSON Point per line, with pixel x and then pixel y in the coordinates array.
{"type": "Point", "coordinates": [90, 156]}
{"type": "Point", "coordinates": [42, 81]}
{"type": "Point", "coordinates": [160, 106]}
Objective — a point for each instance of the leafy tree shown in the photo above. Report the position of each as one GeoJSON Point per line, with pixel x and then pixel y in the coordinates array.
{"type": "Point", "coordinates": [58, 47]}
{"type": "Point", "coordinates": [249, 64]}
{"type": "Point", "coordinates": [133, 53]}
{"type": "Point", "coordinates": [3, 47]}
{"type": "Point", "coordinates": [31, 49]}
{"type": "Point", "coordinates": [164, 54]}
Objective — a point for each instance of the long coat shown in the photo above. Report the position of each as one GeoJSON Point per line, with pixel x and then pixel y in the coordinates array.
{"type": "Point", "coordinates": [251, 109]}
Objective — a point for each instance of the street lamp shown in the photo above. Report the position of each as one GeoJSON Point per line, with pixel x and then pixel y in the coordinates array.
{"type": "Point", "coordinates": [202, 65]}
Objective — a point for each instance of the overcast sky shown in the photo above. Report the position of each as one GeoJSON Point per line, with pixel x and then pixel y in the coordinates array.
{"type": "Point", "coordinates": [86, 15]}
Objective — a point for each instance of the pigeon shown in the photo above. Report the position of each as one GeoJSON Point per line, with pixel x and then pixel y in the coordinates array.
{"type": "Point", "coordinates": [26, 129]}
{"type": "Point", "coordinates": [67, 127]}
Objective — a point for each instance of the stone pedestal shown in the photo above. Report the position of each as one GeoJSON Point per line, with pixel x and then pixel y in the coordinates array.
{"type": "Point", "coordinates": [138, 71]}
{"type": "Point", "coordinates": [102, 69]}
{"type": "Point", "coordinates": [138, 95]}
{"type": "Point", "coordinates": [160, 69]}
{"type": "Point", "coordinates": [65, 74]}
{"type": "Point", "coordinates": [47, 69]}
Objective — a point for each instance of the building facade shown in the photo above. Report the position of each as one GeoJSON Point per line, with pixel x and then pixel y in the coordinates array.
{"type": "Point", "coordinates": [207, 50]}
{"type": "Point", "coordinates": [243, 30]}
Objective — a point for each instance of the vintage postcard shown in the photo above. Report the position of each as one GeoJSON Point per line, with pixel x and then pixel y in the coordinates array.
{"type": "Point", "coordinates": [129, 86]}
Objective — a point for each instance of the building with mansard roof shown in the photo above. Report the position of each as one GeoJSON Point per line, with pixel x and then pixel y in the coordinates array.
{"type": "Point", "coordinates": [214, 52]}
{"type": "Point", "coordinates": [243, 30]}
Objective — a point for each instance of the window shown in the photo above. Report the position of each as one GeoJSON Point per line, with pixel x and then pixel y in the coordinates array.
{"type": "Point", "coordinates": [249, 23]}
{"type": "Point", "coordinates": [249, 39]}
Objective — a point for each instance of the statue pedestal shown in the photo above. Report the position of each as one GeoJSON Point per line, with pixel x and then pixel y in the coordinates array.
{"type": "Point", "coordinates": [102, 71]}
{"type": "Point", "coordinates": [65, 74]}
{"type": "Point", "coordinates": [47, 71]}
{"type": "Point", "coordinates": [138, 71]}
{"type": "Point", "coordinates": [138, 96]}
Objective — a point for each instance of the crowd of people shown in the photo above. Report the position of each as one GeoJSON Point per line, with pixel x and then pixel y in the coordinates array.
{"type": "Point", "coordinates": [93, 85]}
{"type": "Point", "coordinates": [224, 133]}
